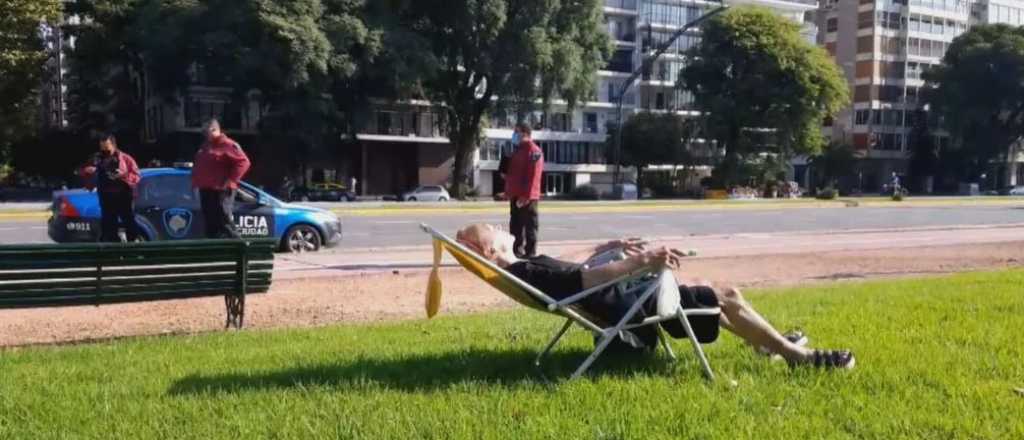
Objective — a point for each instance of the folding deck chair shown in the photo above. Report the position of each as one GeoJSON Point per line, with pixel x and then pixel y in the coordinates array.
{"type": "Point", "coordinates": [665, 287]}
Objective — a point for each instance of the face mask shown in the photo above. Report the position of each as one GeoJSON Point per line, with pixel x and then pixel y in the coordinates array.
{"type": "Point", "coordinates": [515, 138]}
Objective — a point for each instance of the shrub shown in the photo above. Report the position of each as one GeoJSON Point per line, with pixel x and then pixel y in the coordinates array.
{"type": "Point", "coordinates": [827, 194]}
{"type": "Point", "coordinates": [585, 192]}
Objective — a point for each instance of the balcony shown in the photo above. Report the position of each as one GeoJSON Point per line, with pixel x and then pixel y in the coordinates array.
{"type": "Point", "coordinates": [621, 4]}
{"type": "Point", "coordinates": [406, 124]}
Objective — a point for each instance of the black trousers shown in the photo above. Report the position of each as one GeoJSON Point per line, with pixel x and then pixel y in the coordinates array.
{"type": "Point", "coordinates": [523, 225]}
{"type": "Point", "coordinates": [117, 209]}
{"type": "Point", "coordinates": [218, 209]}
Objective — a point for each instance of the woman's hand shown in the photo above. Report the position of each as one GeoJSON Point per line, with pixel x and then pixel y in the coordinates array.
{"type": "Point", "coordinates": [662, 258]}
{"type": "Point", "coordinates": [629, 246]}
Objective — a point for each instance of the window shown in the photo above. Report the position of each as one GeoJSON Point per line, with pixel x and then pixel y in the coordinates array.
{"type": "Point", "coordinates": [832, 25]}
{"type": "Point", "coordinates": [168, 191]}
{"type": "Point", "coordinates": [660, 101]}
{"type": "Point", "coordinates": [861, 117]}
{"type": "Point", "coordinates": [590, 122]}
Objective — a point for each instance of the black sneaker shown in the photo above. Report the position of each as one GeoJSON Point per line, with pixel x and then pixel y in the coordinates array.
{"type": "Point", "coordinates": [831, 360]}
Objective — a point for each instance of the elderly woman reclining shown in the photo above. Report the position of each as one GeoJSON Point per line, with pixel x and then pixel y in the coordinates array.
{"type": "Point", "coordinates": [563, 277]}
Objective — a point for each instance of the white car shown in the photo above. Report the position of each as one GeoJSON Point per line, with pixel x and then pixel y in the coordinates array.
{"type": "Point", "coordinates": [430, 193]}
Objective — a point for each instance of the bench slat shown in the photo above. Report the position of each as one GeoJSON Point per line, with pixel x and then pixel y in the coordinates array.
{"type": "Point", "coordinates": [88, 300]}
{"type": "Point", "coordinates": [37, 264]}
{"type": "Point", "coordinates": [165, 245]}
{"type": "Point", "coordinates": [130, 271]}
{"type": "Point", "coordinates": [223, 286]}
{"type": "Point", "coordinates": [13, 289]}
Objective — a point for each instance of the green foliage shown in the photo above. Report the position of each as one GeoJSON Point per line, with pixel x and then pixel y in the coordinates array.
{"type": "Point", "coordinates": [585, 192]}
{"type": "Point", "coordinates": [300, 55]}
{"type": "Point", "coordinates": [22, 57]}
{"type": "Point", "coordinates": [955, 344]}
{"type": "Point", "coordinates": [655, 138]}
{"type": "Point", "coordinates": [829, 193]}
{"type": "Point", "coordinates": [519, 51]}
{"type": "Point", "coordinates": [753, 70]}
{"type": "Point", "coordinates": [924, 156]}
{"type": "Point", "coordinates": [836, 162]}
{"type": "Point", "coordinates": [978, 93]}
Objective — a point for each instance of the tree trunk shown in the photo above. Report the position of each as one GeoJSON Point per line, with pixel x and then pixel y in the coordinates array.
{"type": "Point", "coordinates": [464, 141]}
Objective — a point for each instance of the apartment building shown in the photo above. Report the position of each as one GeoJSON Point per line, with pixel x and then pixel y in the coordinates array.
{"type": "Point", "coordinates": [883, 46]}
{"type": "Point", "coordinates": [580, 154]}
{"type": "Point", "coordinates": [401, 145]}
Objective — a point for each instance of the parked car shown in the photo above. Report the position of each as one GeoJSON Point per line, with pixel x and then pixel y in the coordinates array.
{"type": "Point", "coordinates": [323, 192]}
{"type": "Point", "coordinates": [1012, 191]}
{"type": "Point", "coordinates": [167, 208]}
{"type": "Point", "coordinates": [429, 193]}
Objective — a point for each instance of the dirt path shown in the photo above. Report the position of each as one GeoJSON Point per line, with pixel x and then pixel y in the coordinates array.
{"type": "Point", "coordinates": [377, 297]}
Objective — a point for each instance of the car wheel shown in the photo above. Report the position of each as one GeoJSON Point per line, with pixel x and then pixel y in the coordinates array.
{"type": "Point", "coordinates": [301, 238]}
{"type": "Point", "coordinates": [411, 199]}
{"type": "Point", "coordinates": [442, 199]}
{"type": "Point", "coordinates": [304, 198]}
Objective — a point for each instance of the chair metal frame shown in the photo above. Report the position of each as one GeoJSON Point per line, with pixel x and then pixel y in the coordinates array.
{"type": "Point", "coordinates": [570, 308]}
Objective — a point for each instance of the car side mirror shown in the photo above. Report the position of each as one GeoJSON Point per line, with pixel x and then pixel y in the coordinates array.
{"type": "Point", "coordinates": [262, 200]}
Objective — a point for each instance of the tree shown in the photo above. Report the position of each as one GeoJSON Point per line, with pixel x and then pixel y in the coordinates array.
{"type": "Point", "coordinates": [655, 139]}
{"type": "Point", "coordinates": [924, 156]}
{"type": "Point", "coordinates": [835, 163]}
{"type": "Point", "coordinates": [754, 73]}
{"type": "Point", "coordinates": [978, 94]}
{"type": "Point", "coordinates": [22, 56]}
{"type": "Point", "coordinates": [299, 55]}
{"type": "Point", "coordinates": [480, 55]}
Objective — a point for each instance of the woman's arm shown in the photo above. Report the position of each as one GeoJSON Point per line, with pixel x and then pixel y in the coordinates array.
{"type": "Point", "coordinates": [653, 259]}
{"type": "Point", "coordinates": [627, 245]}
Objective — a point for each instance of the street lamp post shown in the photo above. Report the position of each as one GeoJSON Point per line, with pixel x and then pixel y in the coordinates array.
{"type": "Point", "coordinates": [644, 65]}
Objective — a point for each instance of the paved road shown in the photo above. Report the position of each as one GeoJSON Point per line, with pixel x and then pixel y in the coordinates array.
{"type": "Point", "coordinates": [397, 231]}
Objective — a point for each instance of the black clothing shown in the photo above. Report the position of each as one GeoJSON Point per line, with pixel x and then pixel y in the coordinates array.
{"type": "Point", "coordinates": [523, 225]}
{"type": "Point", "coordinates": [218, 212]}
{"type": "Point", "coordinates": [117, 208]}
{"type": "Point", "coordinates": [560, 279]}
{"type": "Point", "coordinates": [106, 174]}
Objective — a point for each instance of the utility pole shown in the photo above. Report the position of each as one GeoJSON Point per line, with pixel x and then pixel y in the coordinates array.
{"type": "Point", "coordinates": [644, 65]}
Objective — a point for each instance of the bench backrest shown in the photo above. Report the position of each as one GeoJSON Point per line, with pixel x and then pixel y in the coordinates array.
{"type": "Point", "coordinates": [103, 273]}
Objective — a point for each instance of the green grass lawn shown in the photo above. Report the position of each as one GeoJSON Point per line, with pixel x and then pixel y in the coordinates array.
{"type": "Point", "coordinates": [937, 358]}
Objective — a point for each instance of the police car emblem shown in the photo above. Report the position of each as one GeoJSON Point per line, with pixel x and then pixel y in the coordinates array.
{"type": "Point", "coordinates": [177, 222]}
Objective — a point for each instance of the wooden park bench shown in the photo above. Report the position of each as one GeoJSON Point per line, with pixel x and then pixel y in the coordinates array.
{"type": "Point", "coordinates": [54, 275]}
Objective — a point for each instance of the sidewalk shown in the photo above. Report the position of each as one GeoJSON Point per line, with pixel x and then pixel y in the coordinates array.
{"type": "Point", "coordinates": [31, 211]}
{"type": "Point", "coordinates": [354, 262]}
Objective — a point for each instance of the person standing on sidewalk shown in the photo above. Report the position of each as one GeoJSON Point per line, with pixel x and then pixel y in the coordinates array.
{"type": "Point", "coordinates": [219, 166]}
{"type": "Point", "coordinates": [522, 187]}
{"type": "Point", "coordinates": [115, 175]}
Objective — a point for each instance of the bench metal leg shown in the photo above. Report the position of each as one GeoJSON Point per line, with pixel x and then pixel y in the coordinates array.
{"type": "Point", "coordinates": [235, 305]}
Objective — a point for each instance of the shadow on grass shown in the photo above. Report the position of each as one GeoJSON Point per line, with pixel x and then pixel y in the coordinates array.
{"type": "Point", "coordinates": [426, 372]}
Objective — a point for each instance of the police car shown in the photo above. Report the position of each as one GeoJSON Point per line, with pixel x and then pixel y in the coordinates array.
{"type": "Point", "coordinates": [167, 208]}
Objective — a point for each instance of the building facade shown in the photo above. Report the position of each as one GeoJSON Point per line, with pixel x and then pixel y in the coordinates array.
{"type": "Point", "coordinates": [883, 47]}
{"type": "Point", "coordinates": [575, 143]}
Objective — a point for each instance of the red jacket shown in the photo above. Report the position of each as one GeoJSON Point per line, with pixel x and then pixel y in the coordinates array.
{"type": "Point", "coordinates": [219, 164]}
{"type": "Point", "coordinates": [126, 168]}
{"type": "Point", "coordinates": [524, 171]}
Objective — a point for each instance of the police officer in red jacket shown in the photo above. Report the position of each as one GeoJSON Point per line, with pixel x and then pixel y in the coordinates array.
{"type": "Point", "coordinates": [219, 166]}
{"type": "Point", "coordinates": [115, 175]}
{"type": "Point", "coordinates": [522, 187]}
